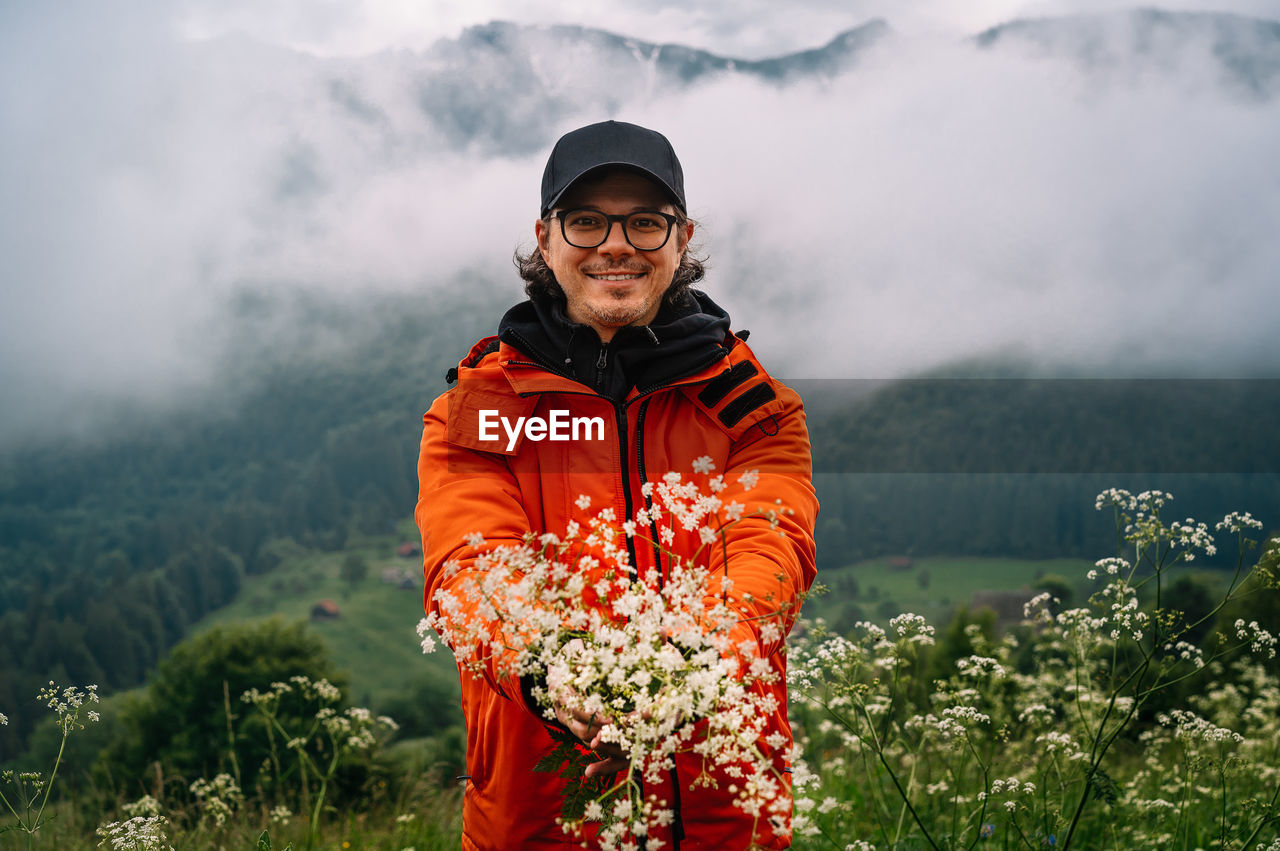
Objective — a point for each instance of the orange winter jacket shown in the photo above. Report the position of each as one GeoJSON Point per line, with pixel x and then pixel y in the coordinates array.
{"type": "Point", "coordinates": [504, 488]}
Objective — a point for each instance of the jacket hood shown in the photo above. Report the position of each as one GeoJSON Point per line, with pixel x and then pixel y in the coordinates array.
{"type": "Point", "coordinates": [682, 339]}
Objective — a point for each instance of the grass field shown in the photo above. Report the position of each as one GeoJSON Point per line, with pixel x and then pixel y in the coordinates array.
{"type": "Point", "coordinates": [372, 639]}
{"type": "Point", "coordinates": [878, 589]}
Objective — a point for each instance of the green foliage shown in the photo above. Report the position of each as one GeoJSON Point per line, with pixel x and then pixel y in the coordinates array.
{"type": "Point", "coordinates": [965, 634]}
{"type": "Point", "coordinates": [355, 569]}
{"type": "Point", "coordinates": [427, 707]}
{"type": "Point", "coordinates": [1195, 597]}
{"type": "Point", "coordinates": [568, 760]}
{"type": "Point", "coordinates": [264, 843]}
{"type": "Point", "coordinates": [1057, 585]}
{"type": "Point", "coordinates": [181, 722]}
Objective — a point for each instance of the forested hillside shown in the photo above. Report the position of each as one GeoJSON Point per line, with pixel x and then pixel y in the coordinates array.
{"type": "Point", "coordinates": [110, 549]}
{"type": "Point", "coordinates": [953, 465]}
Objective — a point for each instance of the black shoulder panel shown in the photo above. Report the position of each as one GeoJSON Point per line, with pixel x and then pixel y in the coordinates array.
{"type": "Point", "coordinates": [724, 383]}
{"type": "Point", "coordinates": [760, 394]}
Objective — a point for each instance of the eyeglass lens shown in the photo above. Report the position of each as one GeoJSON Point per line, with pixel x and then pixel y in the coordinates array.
{"type": "Point", "coordinates": [646, 230]}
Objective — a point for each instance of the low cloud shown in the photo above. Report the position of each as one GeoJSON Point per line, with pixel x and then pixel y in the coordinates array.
{"type": "Point", "coordinates": [936, 202]}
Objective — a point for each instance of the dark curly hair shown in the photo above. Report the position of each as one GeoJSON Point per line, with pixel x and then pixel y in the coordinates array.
{"type": "Point", "coordinates": [539, 281]}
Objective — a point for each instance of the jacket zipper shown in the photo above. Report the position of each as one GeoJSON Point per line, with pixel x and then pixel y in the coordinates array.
{"type": "Point", "coordinates": [537, 359]}
{"type": "Point", "coordinates": [620, 410]}
{"type": "Point", "coordinates": [644, 477]}
{"type": "Point", "coordinates": [601, 363]}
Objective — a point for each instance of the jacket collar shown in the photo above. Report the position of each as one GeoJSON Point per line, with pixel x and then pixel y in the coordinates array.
{"type": "Point", "coordinates": [682, 341]}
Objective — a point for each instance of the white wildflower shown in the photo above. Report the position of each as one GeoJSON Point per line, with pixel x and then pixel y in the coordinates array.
{"type": "Point", "coordinates": [136, 834]}
{"type": "Point", "coordinates": [1236, 522]}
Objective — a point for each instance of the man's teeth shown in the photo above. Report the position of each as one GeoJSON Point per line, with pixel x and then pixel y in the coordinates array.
{"type": "Point", "coordinates": [617, 277]}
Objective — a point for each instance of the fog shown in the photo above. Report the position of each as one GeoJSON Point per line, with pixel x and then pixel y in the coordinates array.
{"type": "Point", "coordinates": [935, 202]}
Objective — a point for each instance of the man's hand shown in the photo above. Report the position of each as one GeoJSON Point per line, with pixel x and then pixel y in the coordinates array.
{"type": "Point", "coordinates": [586, 727]}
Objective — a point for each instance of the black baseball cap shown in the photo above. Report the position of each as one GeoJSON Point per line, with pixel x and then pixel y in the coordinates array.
{"type": "Point", "coordinates": [611, 143]}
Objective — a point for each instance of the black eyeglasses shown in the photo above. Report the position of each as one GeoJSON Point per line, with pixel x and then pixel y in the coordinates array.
{"type": "Point", "coordinates": [645, 230]}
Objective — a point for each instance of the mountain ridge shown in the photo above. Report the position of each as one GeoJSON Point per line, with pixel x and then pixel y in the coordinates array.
{"type": "Point", "coordinates": [1246, 48]}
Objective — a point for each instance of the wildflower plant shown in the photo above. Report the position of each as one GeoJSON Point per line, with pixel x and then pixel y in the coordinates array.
{"type": "Point", "coordinates": [668, 662]}
{"type": "Point", "coordinates": [1051, 735]}
{"type": "Point", "coordinates": [318, 748]}
{"type": "Point", "coordinates": [218, 800]}
{"type": "Point", "coordinates": [71, 707]}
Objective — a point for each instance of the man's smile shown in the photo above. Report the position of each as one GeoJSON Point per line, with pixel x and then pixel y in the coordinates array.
{"type": "Point", "coordinates": [615, 276]}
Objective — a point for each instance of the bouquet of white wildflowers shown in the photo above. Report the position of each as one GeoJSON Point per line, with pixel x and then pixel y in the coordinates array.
{"type": "Point", "coordinates": [668, 664]}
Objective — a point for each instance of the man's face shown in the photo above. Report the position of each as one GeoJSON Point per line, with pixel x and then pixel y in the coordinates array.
{"type": "Point", "coordinates": [613, 284]}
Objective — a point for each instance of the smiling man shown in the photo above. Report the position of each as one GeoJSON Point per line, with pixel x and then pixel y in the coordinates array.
{"type": "Point", "coordinates": [613, 337]}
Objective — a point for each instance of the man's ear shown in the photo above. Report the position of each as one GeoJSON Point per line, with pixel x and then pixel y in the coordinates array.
{"type": "Point", "coordinates": [542, 232]}
{"type": "Point", "coordinates": [683, 236]}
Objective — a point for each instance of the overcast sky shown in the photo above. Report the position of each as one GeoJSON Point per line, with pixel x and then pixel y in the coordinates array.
{"type": "Point", "coordinates": [936, 202]}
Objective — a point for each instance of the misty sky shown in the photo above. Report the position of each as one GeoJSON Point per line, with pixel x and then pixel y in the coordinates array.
{"type": "Point", "coordinates": [935, 202]}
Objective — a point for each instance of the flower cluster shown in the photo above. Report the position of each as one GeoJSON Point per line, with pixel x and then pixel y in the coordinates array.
{"type": "Point", "coordinates": [1191, 727]}
{"type": "Point", "coordinates": [1261, 641]}
{"type": "Point", "coordinates": [355, 727]}
{"type": "Point", "coordinates": [68, 703]}
{"type": "Point", "coordinates": [668, 661]}
{"type": "Point", "coordinates": [144, 806]}
{"type": "Point", "coordinates": [319, 690]}
{"type": "Point", "coordinates": [218, 799]}
{"type": "Point", "coordinates": [141, 833]}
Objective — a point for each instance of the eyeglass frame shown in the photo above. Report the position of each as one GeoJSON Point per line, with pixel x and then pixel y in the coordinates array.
{"type": "Point", "coordinates": [621, 219]}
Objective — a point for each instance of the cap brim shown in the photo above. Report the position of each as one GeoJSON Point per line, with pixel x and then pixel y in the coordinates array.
{"type": "Point", "coordinates": [672, 195]}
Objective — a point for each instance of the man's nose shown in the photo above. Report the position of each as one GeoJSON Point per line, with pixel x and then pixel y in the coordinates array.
{"type": "Point", "coordinates": [615, 243]}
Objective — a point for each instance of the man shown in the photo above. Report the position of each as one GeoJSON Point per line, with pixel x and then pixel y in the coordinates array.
{"type": "Point", "coordinates": [612, 333]}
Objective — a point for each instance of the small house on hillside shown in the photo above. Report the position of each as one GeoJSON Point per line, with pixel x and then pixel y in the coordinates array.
{"type": "Point", "coordinates": [409, 549]}
{"type": "Point", "coordinates": [325, 610]}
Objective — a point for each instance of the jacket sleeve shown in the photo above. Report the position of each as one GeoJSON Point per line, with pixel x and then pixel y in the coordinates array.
{"type": "Point", "coordinates": [770, 551]}
{"type": "Point", "coordinates": [462, 491]}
